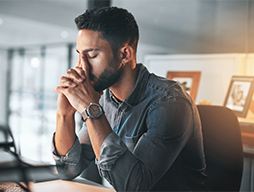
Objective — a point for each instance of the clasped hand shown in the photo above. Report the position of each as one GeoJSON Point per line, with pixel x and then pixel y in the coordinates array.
{"type": "Point", "coordinates": [75, 90]}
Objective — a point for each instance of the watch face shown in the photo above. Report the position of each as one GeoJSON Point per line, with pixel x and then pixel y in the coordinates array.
{"type": "Point", "coordinates": [95, 111]}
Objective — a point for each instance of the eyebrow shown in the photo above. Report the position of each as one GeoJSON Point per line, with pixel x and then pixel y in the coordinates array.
{"type": "Point", "coordinates": [88, 50]}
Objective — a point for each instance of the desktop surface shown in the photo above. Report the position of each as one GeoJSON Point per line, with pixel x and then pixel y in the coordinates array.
{"type": "Point", "coordinates": [67, 186]}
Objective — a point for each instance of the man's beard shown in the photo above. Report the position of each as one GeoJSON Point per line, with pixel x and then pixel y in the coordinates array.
{"type": "Point", "coordinates": [109, 76]}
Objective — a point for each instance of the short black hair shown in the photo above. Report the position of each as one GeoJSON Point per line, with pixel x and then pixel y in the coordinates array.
{"type": "Point", "coordinates": [116, 25]}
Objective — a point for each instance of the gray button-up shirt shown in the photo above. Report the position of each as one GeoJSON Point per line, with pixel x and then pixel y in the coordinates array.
{"type": "Point", "coordinates": [156, 143]}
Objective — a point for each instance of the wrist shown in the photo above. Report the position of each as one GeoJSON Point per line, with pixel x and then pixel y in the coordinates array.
{"type": "Point", "coordinates": [67, 115]}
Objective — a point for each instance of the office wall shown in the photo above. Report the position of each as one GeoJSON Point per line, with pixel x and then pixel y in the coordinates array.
{"type": "Point", "coordinates": [3, 95]}
{"type": "Point", "coordinates": [195, 27]}
{"type": "Point", "coordinates": [217, 70]}
{"type": "Point", "coordinates": [149, 49]}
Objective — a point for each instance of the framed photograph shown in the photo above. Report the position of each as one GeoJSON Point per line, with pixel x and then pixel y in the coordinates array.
{"type": "Point", "coordinates": [239, 94]}
{"type": "Point", "coordinates": [188, 80]}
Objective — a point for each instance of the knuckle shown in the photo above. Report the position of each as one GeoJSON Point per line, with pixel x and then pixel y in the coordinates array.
{"type": "Point", "coordinates": [77, 70]}
{"type": "Point", "coordinates": [62, 79]}
{"type": "Point", "coordinates": [70, 71]}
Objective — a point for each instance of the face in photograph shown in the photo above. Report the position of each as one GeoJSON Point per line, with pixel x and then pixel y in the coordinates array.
{"type": "Point", "coordinates": [238, 95]}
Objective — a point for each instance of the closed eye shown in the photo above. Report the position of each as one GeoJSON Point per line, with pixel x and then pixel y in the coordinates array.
{"type": "Point", "coordinates": [91, 57]}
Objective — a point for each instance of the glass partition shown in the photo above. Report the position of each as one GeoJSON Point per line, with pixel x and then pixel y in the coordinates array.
{"type": "Point", "coordinates": [32, 101]}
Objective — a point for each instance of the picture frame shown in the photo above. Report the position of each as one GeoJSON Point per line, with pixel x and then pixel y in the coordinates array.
{"type": "Point", "coordinates": [188, 80]}
{"type": "Point", "coordinates": [239, 94]}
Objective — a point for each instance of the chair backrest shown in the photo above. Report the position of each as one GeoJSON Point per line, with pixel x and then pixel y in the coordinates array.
{"type": "Point", "coordinates": [6, 138]}
{"type": "Point", "coordinates": [222, 146]}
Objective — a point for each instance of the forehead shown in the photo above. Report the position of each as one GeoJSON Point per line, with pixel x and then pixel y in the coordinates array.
{"type": "Point", "coordinates": [89, 39]}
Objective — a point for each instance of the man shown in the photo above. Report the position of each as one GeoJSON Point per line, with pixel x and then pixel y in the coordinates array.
{"type": "Point", "coordinates": [143, 132]}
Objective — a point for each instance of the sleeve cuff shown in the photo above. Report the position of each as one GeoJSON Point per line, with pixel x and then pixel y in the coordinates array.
{"type": "Point", "coordinates": [112, 148]}
{"type": "Point", "coordinates": [71, 155]}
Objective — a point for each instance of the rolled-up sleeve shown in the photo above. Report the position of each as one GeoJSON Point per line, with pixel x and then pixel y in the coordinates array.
{"type": "Point", "coordinates": [155, 151]}
{"type": "Point", "coordinates": [75, 161]}
{"type": "Point", "coordinates": [111, 149]}
{"type": "Point", "coordinates": [116, 160]}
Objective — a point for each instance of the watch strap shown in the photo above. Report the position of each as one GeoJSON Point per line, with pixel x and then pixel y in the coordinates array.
{"type": "Point", "coordinates": [84, 115]}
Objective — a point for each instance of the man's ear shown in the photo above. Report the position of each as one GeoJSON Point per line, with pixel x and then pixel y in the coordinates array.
{"type": "Point", "coordinates": [126, 53]}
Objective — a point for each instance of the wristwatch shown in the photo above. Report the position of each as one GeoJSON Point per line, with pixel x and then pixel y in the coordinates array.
{"type": "Point", "coordinates": [94, 110]}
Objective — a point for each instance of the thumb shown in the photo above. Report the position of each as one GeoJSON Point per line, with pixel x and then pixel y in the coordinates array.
{"type": "Point", "coordinates": [59, 89]}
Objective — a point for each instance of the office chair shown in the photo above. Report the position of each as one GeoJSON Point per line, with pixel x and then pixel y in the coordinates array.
{"type": "Point", "coordinates": [222, 146]}
{"type": "Point", "coordinates": [6, 138]}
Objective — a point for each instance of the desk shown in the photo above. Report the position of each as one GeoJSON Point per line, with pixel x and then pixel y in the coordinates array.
{"type": "Point", "coordinates": [247, 130]}
{"type": "Point", "coordinates": [67, 186]}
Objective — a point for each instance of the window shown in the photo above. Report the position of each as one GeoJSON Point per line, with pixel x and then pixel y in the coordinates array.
{"type": "Point", "coordinates": [32, 101]}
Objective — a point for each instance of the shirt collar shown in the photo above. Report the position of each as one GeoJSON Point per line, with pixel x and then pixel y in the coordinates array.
{"type": "Point", "coordinates": [140, 85]}
{"type": "Point", "coordinates": [135, 97]}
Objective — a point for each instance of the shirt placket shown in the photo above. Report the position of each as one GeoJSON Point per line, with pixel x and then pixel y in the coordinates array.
{"type": "Point", "coordinates": [118, 117]}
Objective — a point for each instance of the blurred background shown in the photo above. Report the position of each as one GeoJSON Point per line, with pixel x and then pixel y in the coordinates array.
{"type": "Point", "coordinates": [37, 47]}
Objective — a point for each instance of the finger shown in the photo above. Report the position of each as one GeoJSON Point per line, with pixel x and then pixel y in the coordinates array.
{"type": "Point", "coordinates": [63, 90]}
{"type": "Point", "coordinates": [85, 66]}
{"type": "Point", "coordinates": [66, 82]}
{"type": "Point", "coordinates": [81, 72]}
{"type": "Point", "coordinates": [73, 74]}
{"type": "Point", "coordinates": [59, 89]}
